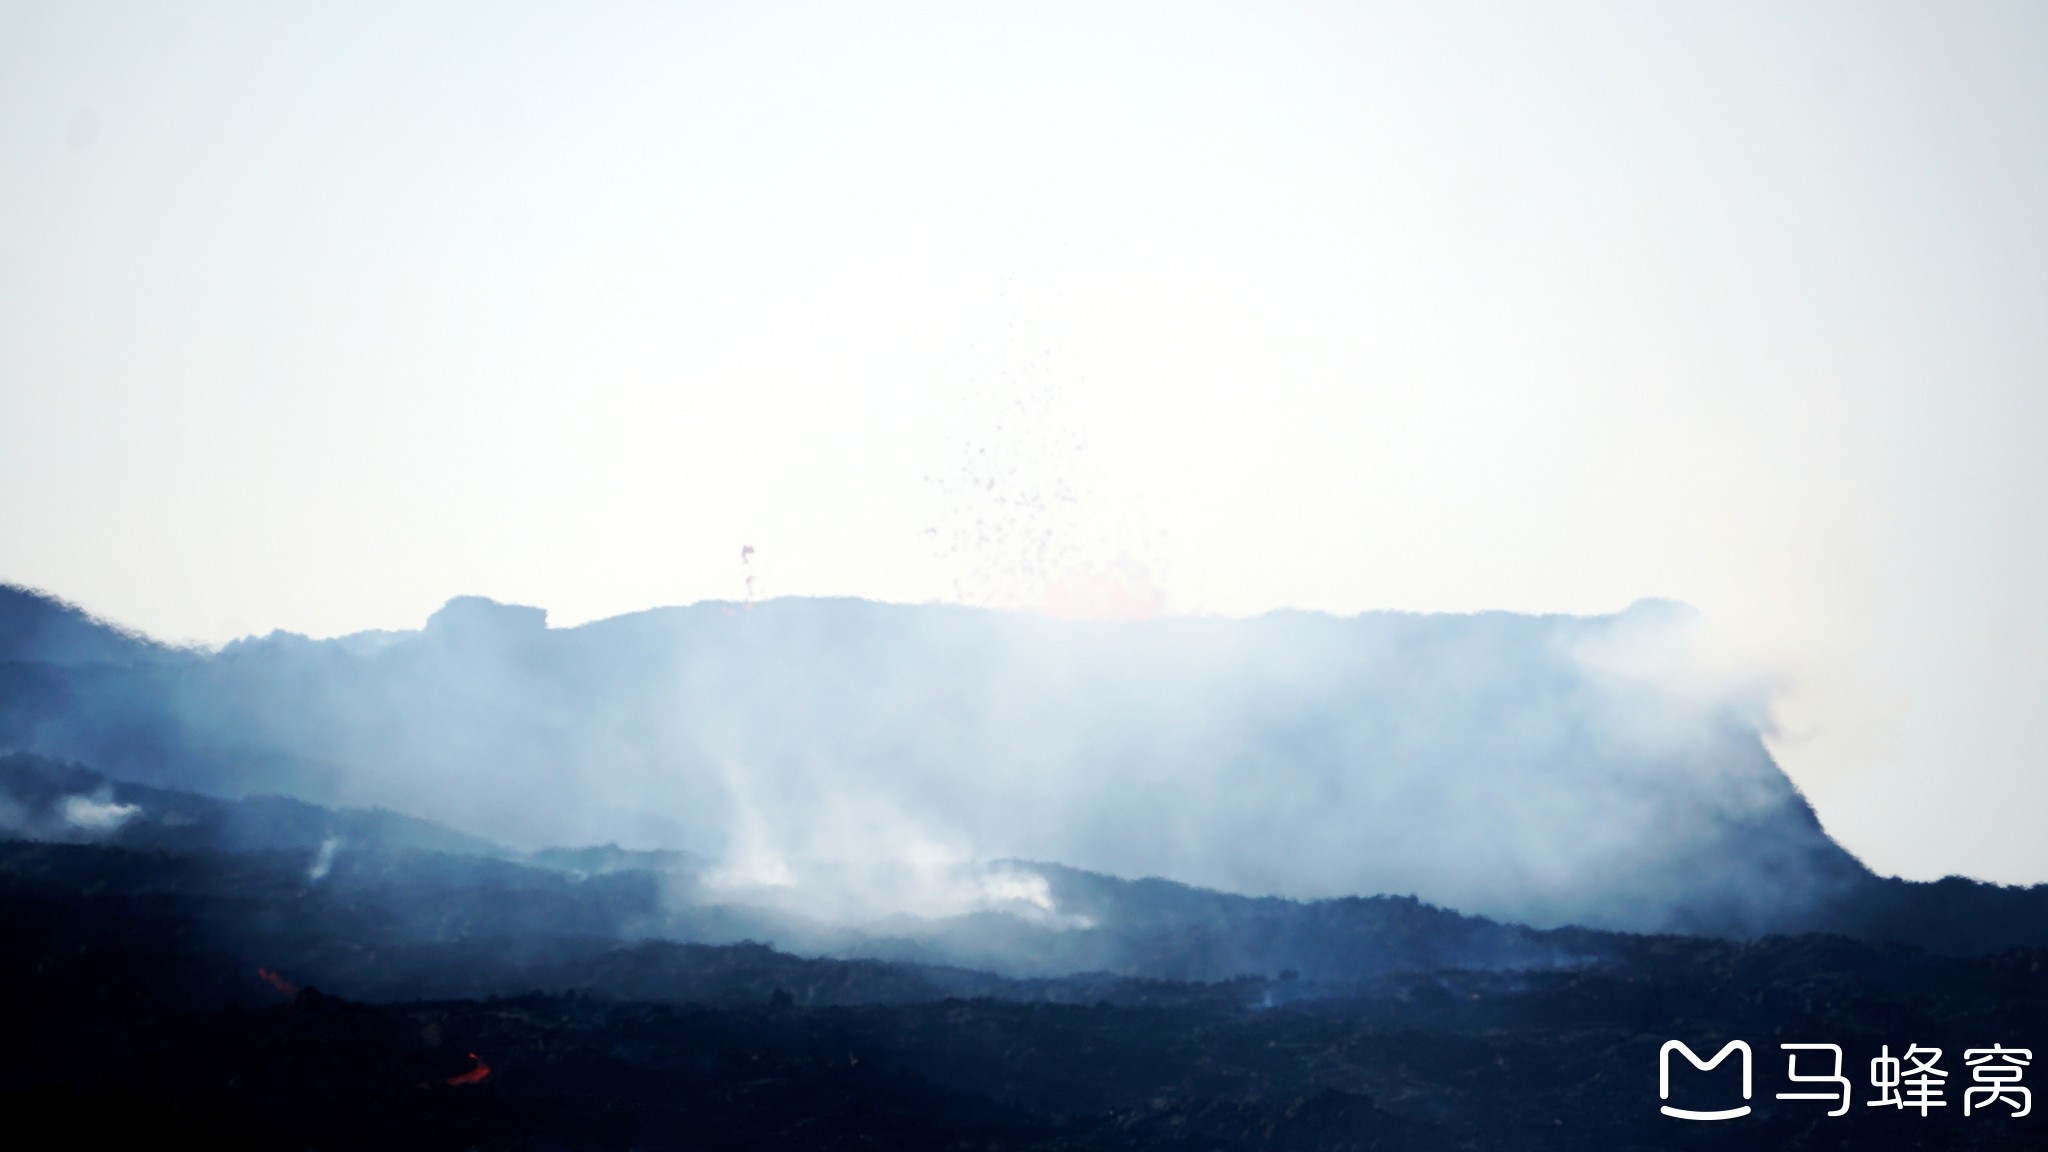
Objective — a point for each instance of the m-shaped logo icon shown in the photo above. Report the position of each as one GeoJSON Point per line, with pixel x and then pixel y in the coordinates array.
{"type": "Point", "coordinates": [1664, 1078]}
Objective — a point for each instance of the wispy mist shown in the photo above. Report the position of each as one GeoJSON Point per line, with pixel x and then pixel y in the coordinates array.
{"type": "Point", "coordinates": [849, 754]}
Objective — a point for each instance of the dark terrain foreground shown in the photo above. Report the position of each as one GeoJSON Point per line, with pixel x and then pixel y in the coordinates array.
{"type": "Point", "coordinates": [132, 1009]}
{"type": "Point", "coordinates": [191, 843]}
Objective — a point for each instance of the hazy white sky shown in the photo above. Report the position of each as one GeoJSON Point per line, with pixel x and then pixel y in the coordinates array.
{"type": "Point", "coordinates": [313, 316]}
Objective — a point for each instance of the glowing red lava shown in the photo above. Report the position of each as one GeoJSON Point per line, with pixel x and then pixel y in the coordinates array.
{"type": "Point", "coordinates": [278, 982]}
{"type": "Point", "coordinates": [476, 1075]}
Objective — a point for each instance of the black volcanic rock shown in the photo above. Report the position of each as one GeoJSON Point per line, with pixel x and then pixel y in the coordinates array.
{"type": "Point", "coordinates": [231, 998]}
{"type": "Point", "coordinates": [113, 977]}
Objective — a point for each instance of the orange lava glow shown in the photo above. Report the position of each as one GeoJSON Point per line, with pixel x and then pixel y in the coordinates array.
{"type": "Point", "coordinates": [476, 1075]}
{"type": "Point", "coordinates": [278, 982]}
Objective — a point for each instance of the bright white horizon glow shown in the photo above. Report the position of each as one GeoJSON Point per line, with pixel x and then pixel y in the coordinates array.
{"type": "Point", "coordinates": [313, 318]}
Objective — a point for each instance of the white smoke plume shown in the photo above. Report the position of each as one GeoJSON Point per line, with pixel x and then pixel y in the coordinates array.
{"type": "Point", "coordinates": [841, 758]}
{"type": "Point", "coordinates": [96, 814]}
{"type": "Point", "coordinates": [323, 860]}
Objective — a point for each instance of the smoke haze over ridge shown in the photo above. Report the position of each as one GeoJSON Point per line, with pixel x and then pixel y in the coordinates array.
{"type": "Point", "coordinates": [1541, 309]}
{"type": "Point", "coordinates": [1541, 769]}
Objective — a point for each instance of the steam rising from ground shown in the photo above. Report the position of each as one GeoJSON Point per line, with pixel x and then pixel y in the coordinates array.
{"type": "Point", "coordinates": [844, 759]}
{"type": "Point", "coordinates": [323, 860]}
{"type": "Point", "coordinates": [77, 817]}
{"type": "Point", "coordinates": [96, 814]}
{"type": "Point", "coordinates": [840, 894]}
